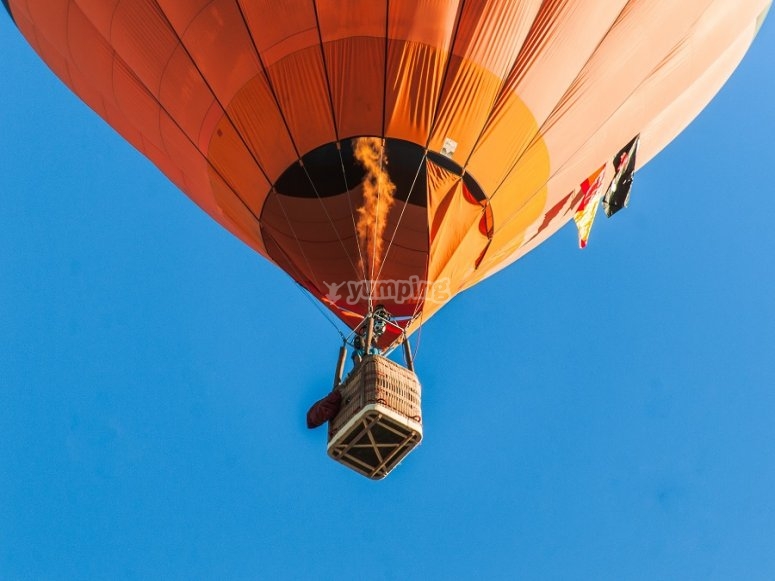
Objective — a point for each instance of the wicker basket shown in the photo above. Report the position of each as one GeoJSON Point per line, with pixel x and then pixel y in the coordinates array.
{"type": "Point", "coordinates": [380, 420]}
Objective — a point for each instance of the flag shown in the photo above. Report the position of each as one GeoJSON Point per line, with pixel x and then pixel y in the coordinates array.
{"type": "Point", "coordinates": [618, 194]}
{"type": "Point", "coordinates": [591, 192]}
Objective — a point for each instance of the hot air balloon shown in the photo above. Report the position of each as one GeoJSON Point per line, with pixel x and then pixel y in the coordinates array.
{"type": "Point", "coordinates": [394, 152]}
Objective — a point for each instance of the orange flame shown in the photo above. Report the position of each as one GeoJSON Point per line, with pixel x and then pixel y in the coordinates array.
{"type": "Point", "coordinates": [378, 198]}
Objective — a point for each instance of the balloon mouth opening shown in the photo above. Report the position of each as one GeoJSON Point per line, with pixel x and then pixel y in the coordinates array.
{"type": "Point", "coordinates": [332, 169]}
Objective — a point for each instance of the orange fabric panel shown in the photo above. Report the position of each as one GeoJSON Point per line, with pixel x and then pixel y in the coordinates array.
{"type": "Point", "coordinates": [193, 166]}
{"type": "Point", "coordinates": [356, 70]}
{"type": "Point", "coordinates": [219, 43]}
{"type": "Point", "coordinates": [299, 82]}
{"type": "Point", "coordinates": [661, 130]}
{"type": "Point", "coordinates": [695, 67]}
{"type": "Point", "coordinates": [449, 277]}
{"type": "Point", "coordinates": [626, 59]}
{"type": "Point", "coordinates": [450, 217]}
{"type": "Point", "coordinates": [675, 116]}
{"type": "Point", "coordinates": [280, 29]}
{"type": "Point", "coordinates": [210, 121]}
{"type": "Point", "coordinates": [235, 165]}
{"type": "Point", "coordinates": [233, 215]}
{"type": "Point", "coordinates": [428, 22]}
{"type": "Point", "coordinates": [256, 118]}
{"type": "Point", "coordinates": [520, 206]}
{"type": "Point", "coordinates": [353, 36]}
{"type": "Point", "coordinates": [50, 21]}
{"type": "Point", "coordinates": [38, 40]}
{"type": "Point", "coordinates": [183, 93]}
{"type": "Point", "coordinates": [181, 13]}
{"type": "Point", "coordinates": [207, 189]}
{"type": "Point", "coordinates": [286, 35]}
{"type": "Point", "coordinates": [99, 13]}
{"type": "Point", "coordinates": [699, 72]}
{"type": "Point", "coordinates": [104, 78]}
{"type": "Point", "coordinates": [491, 32]}
{"type": "Point", "coordinates": [142, 38]}
{"type": "Point", "coordinates": [343, 19]}
{"type": "Point", "coordinates": [490, 35]}
{"type": "Point", "coordinates": [469, 92]}
{"type": "Point", "coordinates": [136, 103]}
{"type": "Point", "coordinates": [420, 33]}
{"type": "Point", "coordinates": [512, 129]}
{"type": "Point", "coordinates": [692, 59]}
{"type": "Point", "coordinates": [415, 74]}
{"type": "Point", "coordinates": [89, 50]}
{"type": "Point", "coordinates": [454, 224]}
{"type": "Point", "coordinates": [563, 36]}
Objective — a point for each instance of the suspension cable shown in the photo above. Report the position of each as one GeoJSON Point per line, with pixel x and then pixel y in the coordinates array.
{"type": "Point", "coordinates": [328, 216]}
{"type": "Point", "coordinates": [401, 215]}
{"type": "Point", "coordinates": [352, 213]}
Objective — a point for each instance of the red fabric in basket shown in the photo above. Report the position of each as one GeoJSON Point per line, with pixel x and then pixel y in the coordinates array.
{"type": "Point", "coordinates": [324, 410]}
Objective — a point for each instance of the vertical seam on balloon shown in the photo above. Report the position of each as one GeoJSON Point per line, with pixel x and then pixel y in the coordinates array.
{"type": "Point", "coordinates": [401, 215]}
{"type": "Point", "coordinates": [562, 97]}
{"type": "Point", "coordinates": [315, 280]}
{"type": "Point", "coordinates": [191, 59]}
{"type": "Point", "coordinates": [330, 219]}
{"type": "Point", "coordinates": [336, 132]}
{"type": "Point", "coordinates": [496, 99]}
{"type": "Point", "coordinates": [485, 124]}
{"type": "Point", "coordinates": [385, 68]}
{"type": "Point", "coordinates": [301, 287]}
{"type": "Point", "coordinates": [382, 151]}
{"type": "Point", "coordinates": [250, 152]}
{"type": "Point", "coordinates": [269, 83]}
{"type": "Point", "coordinates": [384, 120]}
{"type": "Point", "coordinates": [277, 104]}
{"type": "Point", "coordinates": [290, 134]}
{"type": "Point", "coordinates": [450, 52]}
{"type": "Point", "coordinates": [119, 61]}
{"type": "Point", "coordinates": [285, 122]}
{"type": "Point", "coordinates": [325, 71]}
{"type": "Point", "coordinates": [432, 124]}
{"type": "Point", "coordinates": [640, 84]}
{"type": "Point", "coordinates": [395, 231]}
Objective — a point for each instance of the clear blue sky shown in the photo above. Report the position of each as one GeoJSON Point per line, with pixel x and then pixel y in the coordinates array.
{"type": "Point", "coordinates": [154, 375]}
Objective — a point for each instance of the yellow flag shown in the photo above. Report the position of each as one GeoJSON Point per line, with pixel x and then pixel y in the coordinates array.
{"type": "Point", "coordinates": [591, 192]}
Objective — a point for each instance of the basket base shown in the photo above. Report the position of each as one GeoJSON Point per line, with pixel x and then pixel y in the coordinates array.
{"type": "Point", "coordinates": [374, 441]}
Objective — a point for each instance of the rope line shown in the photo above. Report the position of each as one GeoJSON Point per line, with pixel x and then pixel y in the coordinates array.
{"type": "Point", "coordinates": [401, 215]}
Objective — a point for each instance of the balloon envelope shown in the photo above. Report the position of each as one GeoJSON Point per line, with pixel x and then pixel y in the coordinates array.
{"type": "Point", "coordinates": [396, 152]}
